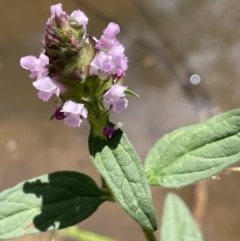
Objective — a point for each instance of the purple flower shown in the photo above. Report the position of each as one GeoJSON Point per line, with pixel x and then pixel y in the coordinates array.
{"type": "Point", "coordinates": [57, 10]}
{"type": "Point", "coordinates": [108, 39]}
{"type": "Point", "coordinates": [73, 111]}
{"type": "Point", "coordinates": [80, 17]}
{"type": "Point", "coordinates": [112, 59]}
{"type": "Point", "coordinates": [47, 87]}
{"type": "Point", "coordinates": [103, 63]}
{"type": "Point", "coordinates": [111, 30]}
{"type": "Point", "coordinates": [119, 59]}
{"type": "Point", "coordinates": [37, 66]}
{"type": "Point", "coordinates": [115, 97]}
{"type": "Point", "coordinates": [114, 62]}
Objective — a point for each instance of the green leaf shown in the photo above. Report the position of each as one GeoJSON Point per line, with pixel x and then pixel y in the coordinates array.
{"type": "Point", "coordinates": [49, 202]}
{"type": "Point", "coordinates": [122, 170]}
{"type": "Point", "coordinates": [196, 152]}
{"type": "Point", "coordinates": [177, 222]}
{"type": "Point", "coordinates": [83, 235]}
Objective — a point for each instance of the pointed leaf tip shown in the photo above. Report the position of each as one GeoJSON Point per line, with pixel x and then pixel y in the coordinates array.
{"type": "Point", "coordinates": [122, 170]}
{"type": "Point", "coordinates": [196, 152]}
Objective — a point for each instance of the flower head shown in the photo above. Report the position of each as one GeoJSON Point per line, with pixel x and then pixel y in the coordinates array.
{"type": "Point", "coordinates": [85, 74]}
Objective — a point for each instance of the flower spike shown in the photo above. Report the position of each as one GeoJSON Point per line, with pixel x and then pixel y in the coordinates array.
{"type": "Point", "coordinates": [85, 74]}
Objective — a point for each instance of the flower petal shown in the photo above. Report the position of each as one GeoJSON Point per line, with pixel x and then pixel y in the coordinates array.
{"type": "Point", "coordinates": [108, 39]}
{"type": "Point", "coordinates": [35, 65]}
{"type": "Point", "coordinates": [45, 96]}
{"type": "Point", "coordinates": [120, 105]}
{"type": "Point", "coordinates": [111, 30]}
{"type": "Point", "coordinates": [73, 120]}
{"type": "Point", "coordinates": [115, 97]}
{"type": "Point", "coordinates": [73, 111]}
{"type": "Point", "coordinates": [80, 17]}
{"type": "Point", "coordinates": [56, 9]}
{"type": "Point", "coordinates": [115, 92]}
{"type": "Point", "coordinates": [101, 62]}
{"type": "Point", "coordinates": [72, 107]}
{"type": "Point", "coordinates": [46, 85]}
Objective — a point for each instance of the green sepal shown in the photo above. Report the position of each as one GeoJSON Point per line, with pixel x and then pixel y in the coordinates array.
{"type": "Point", "coordinates": [76, 29]}
{"type": "Point", "coordinates": [129, 92]}
{"type": "Point", "coordinates": [122, 170]}
{"type": "Point", "coordinates": [49, 202]}
{"type": "Point", "coordinates": [196, 152]}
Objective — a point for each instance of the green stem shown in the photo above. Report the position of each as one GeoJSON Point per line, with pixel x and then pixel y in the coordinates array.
{"type": "Point", "coordinates": [107, 191]}
{"type": "Point", "coordinates": [79, 234]}
{"type": "Point", "coordinates": [149, 234]}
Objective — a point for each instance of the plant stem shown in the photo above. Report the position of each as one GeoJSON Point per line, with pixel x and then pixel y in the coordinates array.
{"type": "Point", "coordinates": [201, 197]}
{"type": "Point", "coordinates": [107, 191]}
{"type": "Point", "coordinates": [149, 234]}
{"type": "Point", "coordinates": [79, 234]}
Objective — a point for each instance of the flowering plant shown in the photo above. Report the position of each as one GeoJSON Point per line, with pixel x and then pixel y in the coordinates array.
{"type": "Point", "coordinates": [86, 75]}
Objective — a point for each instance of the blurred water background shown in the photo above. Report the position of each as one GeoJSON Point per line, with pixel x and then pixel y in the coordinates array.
{"type": "Point", "coordinates": [166, 41]}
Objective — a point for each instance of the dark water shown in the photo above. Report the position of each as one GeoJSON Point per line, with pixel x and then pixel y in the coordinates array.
{"type": "Point", "coordinates": [166, 41]}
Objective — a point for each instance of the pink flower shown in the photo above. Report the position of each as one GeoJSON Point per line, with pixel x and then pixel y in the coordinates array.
{"type": "Point", "coordinates": [36, 66]}
{"type": "Point", "coordinates": [57, 10]}
{"type": "Point", "coordinates": [108, 39]}
{"type": "Point", "coordinates": [47, 87]}
{"type": "Point", "coordinates": [112, 59]}
{"type": "Point", "coordinates": [115, 97]}
{"type": "Point", "coordinates": [114, 62]}
{"type": "Point", "coordinates": [103, 63]}
{"type": "Point", "coordinates": [118, 57]}
{"type": "Point", "coordinates": [73, 111]}
{"type": "Point", "coordinates": [111, 30]}
{"type": "Point", "coordinates": [80, 17]}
